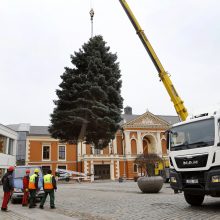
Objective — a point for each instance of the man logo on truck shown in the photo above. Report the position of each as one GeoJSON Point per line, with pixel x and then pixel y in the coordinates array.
{"type": "Point", "coordinates": [190, 162]}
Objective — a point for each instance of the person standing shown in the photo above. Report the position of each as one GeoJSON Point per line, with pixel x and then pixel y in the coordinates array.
{"type": "Point", "coordinates": [8, 187]}
{"type": "Point", "coordinates": [49, 185]}
{"type": "Point", "coordinates": [33, 187]}
{"type": "Point", "coordinates": [25, 188]}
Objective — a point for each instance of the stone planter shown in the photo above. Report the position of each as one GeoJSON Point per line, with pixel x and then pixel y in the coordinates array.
{"type": "Point", "coordinates": [152, 184]}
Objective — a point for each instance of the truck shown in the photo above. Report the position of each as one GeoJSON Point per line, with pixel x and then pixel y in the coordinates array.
{"type": "Point", "coordinates": [194, 154]}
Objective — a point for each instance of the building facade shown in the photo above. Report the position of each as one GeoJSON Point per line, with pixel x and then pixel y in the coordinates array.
{"type": "Point", "coordinates": [22, 130]}
{"type": "Point", "coordinates": [139, 134]}
{"type": "Point", "coordinates": [8, 142]}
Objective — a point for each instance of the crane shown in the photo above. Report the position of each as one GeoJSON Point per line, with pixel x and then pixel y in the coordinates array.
{"type": "Point", "coordinates": [175, 98]}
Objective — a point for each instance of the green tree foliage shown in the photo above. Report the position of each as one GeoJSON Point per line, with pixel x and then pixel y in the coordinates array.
{"type": "Point", "coordinates": [89, 101]}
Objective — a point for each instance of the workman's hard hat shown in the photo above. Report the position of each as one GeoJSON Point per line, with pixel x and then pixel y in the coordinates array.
{"type": "Point", "coordinates": [28, 171]}
{"type": "Point", "coordinates": [36, 171]}
{"type": "Point", "coordinates": [11, 168]}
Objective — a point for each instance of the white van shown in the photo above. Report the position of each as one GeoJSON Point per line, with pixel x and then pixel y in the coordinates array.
{"type": "Point", "coordinates": [18, 174]}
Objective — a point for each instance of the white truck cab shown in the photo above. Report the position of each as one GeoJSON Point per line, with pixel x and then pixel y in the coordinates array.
{"type": "Point", "coordinates": [194, 153]}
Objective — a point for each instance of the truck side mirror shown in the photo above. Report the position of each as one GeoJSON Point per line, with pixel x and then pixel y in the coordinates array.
{"type": "Point", "coordinates": [218, 131]}
{"type": "Point", "coordinates": [218, 144]}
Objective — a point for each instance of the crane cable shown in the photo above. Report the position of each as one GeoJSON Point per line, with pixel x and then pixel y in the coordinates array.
{"type": "Point", "coordinates": [92, 13]}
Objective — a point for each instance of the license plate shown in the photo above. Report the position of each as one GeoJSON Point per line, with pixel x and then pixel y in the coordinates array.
{"type": "Point", "coordinates": [192, 181]}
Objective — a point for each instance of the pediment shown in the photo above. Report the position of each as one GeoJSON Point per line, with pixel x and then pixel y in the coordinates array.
{"type": "Point", "coordinates": [147, 120]}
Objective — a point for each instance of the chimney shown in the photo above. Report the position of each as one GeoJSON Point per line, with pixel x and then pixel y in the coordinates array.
{"type": "Point", "coordinates": [128, 110]}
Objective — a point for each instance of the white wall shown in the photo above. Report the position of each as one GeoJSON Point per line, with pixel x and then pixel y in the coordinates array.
{"type": "Point", "coordinates": [5, 159]}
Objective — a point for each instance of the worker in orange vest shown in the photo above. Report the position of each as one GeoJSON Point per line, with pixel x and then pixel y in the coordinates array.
{"type": "Point", "coordinates": [8, 187]}
{"type": "Point", "coordinates": [33, 187]}
{"type": "Point", "coordinates": [25, 188]}
{"type": "Point", "coordinates": [49, 185]}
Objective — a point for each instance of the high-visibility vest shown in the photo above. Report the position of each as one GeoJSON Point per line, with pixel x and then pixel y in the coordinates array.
{"type": "Point", "coordinates": [32, 181]}
{"type": "Point", "coordinates": [48, 181]}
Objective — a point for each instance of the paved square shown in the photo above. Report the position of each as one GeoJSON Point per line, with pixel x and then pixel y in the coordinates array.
{"type": "Point", "coordinates": [113, 200]}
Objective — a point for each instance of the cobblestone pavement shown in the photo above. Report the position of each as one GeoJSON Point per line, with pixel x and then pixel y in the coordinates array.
{"type": "Point", "coordinates": [113, 200]}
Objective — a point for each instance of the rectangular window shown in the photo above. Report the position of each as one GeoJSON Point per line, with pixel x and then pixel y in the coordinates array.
{"type": "Point", "coordinates": [2, 144]}
{"type": "Point", "coordinates": [62, 152]}
{"type": "Point", "coordinates": [97, 151]}
{"type": "Point", "coordinates": [46, 152]}
{"type": "Point", "coordinates": [63, 167]}
{"type": "Point", "coordinates": [10, 146]}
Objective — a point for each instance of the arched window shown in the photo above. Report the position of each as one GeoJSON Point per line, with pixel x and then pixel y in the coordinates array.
{"type": "Point", "coordinates": [133, 147]}
{"type": "Point", "coordinates": [145, 146]}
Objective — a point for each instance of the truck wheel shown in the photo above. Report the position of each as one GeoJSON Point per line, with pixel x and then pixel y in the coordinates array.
{"type": "Point", "coordinates": [194, 200]}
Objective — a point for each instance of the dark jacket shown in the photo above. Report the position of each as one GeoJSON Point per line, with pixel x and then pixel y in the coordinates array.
{"type": "Point", "coordinates": [54, 182]}
{"type": "Point", "coordinates": [36, 181]}
{"type": "Point", "coordinates": [7, 181]}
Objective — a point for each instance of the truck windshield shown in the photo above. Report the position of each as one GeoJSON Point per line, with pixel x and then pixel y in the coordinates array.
{"type": "Point", "coordinates": [192, 135]}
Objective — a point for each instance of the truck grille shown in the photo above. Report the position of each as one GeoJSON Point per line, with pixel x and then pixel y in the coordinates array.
{"type": "Point", "coordinates": [191, 162]}
{"type": "Point", "coordinates": [193, 175]}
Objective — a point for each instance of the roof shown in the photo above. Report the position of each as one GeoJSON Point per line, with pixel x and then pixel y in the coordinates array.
{"type": "Point", "coordinates": [20, 127]}
{"type": "Point", "coordinates": [170, 119]}
{"type": "Point", "coordinates": [126, 118]}
{"type": "Point", "coordinates": [39, 130]}
{"type": "Point", "coordinates": [8, 132]}
{"type": "Point", "coordinates": [147, 120]}
{"type": "Point", "coordinates": [43, 130]}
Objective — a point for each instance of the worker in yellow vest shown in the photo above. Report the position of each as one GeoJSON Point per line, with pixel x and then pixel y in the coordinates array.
{"type": "Point", "coordinates": [33, 187]}
{"type": "Point", "coordinates": [49, 185]}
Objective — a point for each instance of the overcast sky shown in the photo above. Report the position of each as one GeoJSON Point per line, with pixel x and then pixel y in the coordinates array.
{"type": "Point", "coordinates": [38, 36]}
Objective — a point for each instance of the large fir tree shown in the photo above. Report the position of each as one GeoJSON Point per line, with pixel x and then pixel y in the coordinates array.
{"type": "Point", "coordinates": [89, 101]}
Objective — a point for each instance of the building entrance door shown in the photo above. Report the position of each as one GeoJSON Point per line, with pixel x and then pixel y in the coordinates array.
{"type": "Point", "coordinates": [102, 171]}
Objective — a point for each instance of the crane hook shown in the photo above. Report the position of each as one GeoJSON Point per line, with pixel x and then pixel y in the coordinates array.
{"type": "Point", "coordinates": [91, 13]}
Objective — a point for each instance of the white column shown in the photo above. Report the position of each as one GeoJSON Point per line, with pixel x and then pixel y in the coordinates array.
{"type": "Point", "coordinates": [7, 145]}
{"type": "Point", "coordinates": [114, 145]}
{"type": "Point", "coordinates": [127, 143]}
{"type": "Point", "coordinates": [139, 143]}
{"type": "Point", "coordinates": [83, 148]}
{"type": "Point", "coordinates": [79, 148]}
{"type": "Point", "coordinates": [14, 147]}
{"type": "Point", "coordinates": [159, 146]}
{"type": "Point", "coordinates": [109, 147]}
{"type": "Point", "coordinates": [85, 167]}
{"type": "Point", "coordinates": [112, 170]}
{"type": "Point", "coordinates": [27, 152]}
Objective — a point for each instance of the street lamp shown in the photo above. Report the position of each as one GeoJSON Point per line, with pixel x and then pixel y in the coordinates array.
{"type": "Point", "coordinates": [124, 155]}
